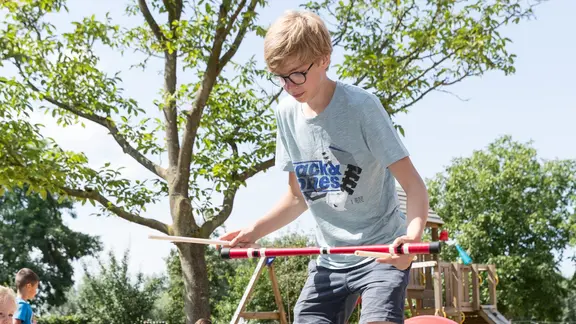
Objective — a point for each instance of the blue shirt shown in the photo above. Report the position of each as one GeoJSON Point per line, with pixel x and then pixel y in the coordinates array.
{"type": "Point", "coordinates": [24, 312]}
{"type": "Point", "coordinates": [340, 158]}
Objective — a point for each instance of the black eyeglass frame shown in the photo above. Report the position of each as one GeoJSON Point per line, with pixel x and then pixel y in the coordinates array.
{"type": "Point", "coordinates": [285, 79]}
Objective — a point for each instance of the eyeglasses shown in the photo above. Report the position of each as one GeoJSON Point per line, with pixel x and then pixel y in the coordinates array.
{"type": "Point", "coordinates": [296, 78]}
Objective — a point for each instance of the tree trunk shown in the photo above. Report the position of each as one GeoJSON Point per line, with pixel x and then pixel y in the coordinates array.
{"type": "Point", "coordinates": [196, 293]}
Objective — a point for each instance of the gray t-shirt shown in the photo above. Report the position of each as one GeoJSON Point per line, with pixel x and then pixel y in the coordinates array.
{"type": "Point", "coordinates": [340, 158]}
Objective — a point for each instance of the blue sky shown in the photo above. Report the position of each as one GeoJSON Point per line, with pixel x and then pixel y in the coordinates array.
{"type": "Point", "coordinates": [534, 104]}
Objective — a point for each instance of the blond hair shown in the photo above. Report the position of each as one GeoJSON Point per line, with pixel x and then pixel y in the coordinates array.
{"type": "Point", "coordinates": [300, 35]}
{"type": "Point", "coordinates": [7, 296]}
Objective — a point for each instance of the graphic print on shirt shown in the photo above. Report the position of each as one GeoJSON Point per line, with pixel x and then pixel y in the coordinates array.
{"type": "Point", "coordinates": [332, 179]}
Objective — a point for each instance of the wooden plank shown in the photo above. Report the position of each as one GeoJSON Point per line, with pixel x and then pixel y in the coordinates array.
{"type": "Point", "coordinates": [424, 264]}
{"type": "Point", "coordinates": [493, 284]}
{"type": "Point", "coordinates": [277, 295]}
{"type": "Point", "coordinates": [482, 267]}
{"type": "Point", "coordinates": [260, 315]}
{"type": "Point", "coordinates": [433, 257]}
{"type": "Point", "coordinates": [428, 300]}
{"type": "Point", "coordinates": [466, 285]}
{"type": "Point", "coordinates": [457, 286]}
{"type": "Point", "coordinates": [475, 288]}
{"type": "Point", "coordinates": [248, 291]}
{"type": "Point", "coordinates": [447, 276]}
{"type": "Point", "coordinates": [427, 311]}
{"type": "Point", "coordinates": [437, 288]}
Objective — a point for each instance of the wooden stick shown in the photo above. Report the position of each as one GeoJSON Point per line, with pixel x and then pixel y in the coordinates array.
{"type": "Point", "coordinates": [380, 255]}
{"type": "Point", "coordinates": [373, 254]}
{"type": "Point", "coordinates": [182, 239]}
{"type": "Point", "coordinates": [423, 264]}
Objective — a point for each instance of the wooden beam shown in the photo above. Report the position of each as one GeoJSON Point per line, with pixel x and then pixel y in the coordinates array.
{"type": "Point", "coordinates": [493, 283]}
{"type": "Point", "coordinates": [277, 295]}
{"type": "Point", "coordinates": [248, 291]}
{"type": "Point", "coordinates": [260, 315]}
{"type": "Point", "coordinates": [475, 288]}
{"type": "Point", "coordinates": [437, 288]}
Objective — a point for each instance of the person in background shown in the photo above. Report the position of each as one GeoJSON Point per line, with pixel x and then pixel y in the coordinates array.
{"type": "Point", "coordinates": [7, 305]}
{"type": "Point", "coordinates": [27, 282]}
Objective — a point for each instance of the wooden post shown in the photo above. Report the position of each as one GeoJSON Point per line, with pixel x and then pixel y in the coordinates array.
{"type": "Point", "coordinates": [475, 288]}
{"type": "Point", "coordinates": [240, 313]}
{"type": "Point", "coordinates": [437, 287]}
{"type": "Point", "coordinates": [277, 295]}
{"type": "Point", "coordinates": [492, 285]}
{"type": "Point", "coordinates": [457, 289]}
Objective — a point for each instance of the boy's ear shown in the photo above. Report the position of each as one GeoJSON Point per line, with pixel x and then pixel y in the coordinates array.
{"type": "Point", "coordinates": [325, 62]}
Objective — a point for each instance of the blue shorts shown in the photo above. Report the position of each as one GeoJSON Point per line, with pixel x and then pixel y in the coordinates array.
{"type": "Point", "coordinates": [329, 296]}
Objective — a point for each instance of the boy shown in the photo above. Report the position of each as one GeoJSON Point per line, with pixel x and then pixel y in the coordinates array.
{"type": "Point", "coordinates": [342, 154]}
{"type": "Point", "coordinates": [27, 286]}
{"type": "Point", "coordinates": [7, 305]}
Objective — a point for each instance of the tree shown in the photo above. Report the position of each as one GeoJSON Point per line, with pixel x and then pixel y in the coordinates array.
{"type": "Point", "coordinates": [569, 313]}
{"type": "Point", "coordinates": [114, 296]}
{"type": "Point", "coordinates": [509, 208]}
{"type": "Point", "coordinates": [33, 235]}
{"type": "Point", "coordinates": [219, 272]}
{"type": "Point", "coordinates": [217, 128]}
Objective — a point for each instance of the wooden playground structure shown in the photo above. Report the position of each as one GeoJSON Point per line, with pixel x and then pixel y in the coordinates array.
{"type": "Point", "coordinates": [447, 289]}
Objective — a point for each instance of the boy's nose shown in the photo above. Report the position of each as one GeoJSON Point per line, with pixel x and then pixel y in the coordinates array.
{"type": "Point", "coordinates": [289, 85]}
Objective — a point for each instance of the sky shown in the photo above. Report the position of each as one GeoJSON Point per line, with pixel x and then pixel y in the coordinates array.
{"type": "Point", "coordinates": [535, 104]}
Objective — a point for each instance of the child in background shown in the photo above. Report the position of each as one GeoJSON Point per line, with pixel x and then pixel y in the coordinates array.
{"type": "Point", "coordinates": [7, 305]}
{"type": "Point", "coordinates": [27, 282]}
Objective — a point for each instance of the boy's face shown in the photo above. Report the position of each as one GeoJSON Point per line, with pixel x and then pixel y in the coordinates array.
{"type": "Point", "coordinates": [7, 310]}
{"type": "Point", "coordinates": [301, 80]}
{"type": "Point", "coordinates": [31, 290]}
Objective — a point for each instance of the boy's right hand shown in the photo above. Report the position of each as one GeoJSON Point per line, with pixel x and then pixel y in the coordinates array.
{"type": "Point", "coordinates": [244, 238]}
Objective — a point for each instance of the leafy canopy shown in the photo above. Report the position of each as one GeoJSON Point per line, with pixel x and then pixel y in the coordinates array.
{"type": "Point", "coordinates": [209, 131]}
{"type": "Point", "coordinates": [33, 235]}
{"type": "Point", "coordinates": [510, 208]}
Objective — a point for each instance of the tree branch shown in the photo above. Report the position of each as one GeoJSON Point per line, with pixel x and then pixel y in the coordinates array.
{"type": "Point", "coordinates": [195, 113]}
{"type": "Point", "coordinates": [261, 112]}
{"type": "Point", "coordinates": [151, 22]}
{"type": "Point", "coordinates": [248, 16]}
{"type": "Point", "coordinates": [96, 196]}
{"type": "Point", "coordinates": [344, 28]}
{"type": "Point", "coordinates": [421, 75]}
{"type": "Point", "coordinates": [229, 195]}
{"type": "Point", "coordinates": [235, 16]}
{"type": "Point", "coordinates": [432, 88]}
{"type": "Point", "coordinates": [174, 8]}
{"type": "Point", "coordinates": [387, 42]}
{"type": "Point", "coordinates": [111, 126]}
{"type": "Point", "coordinates": [259, 167]}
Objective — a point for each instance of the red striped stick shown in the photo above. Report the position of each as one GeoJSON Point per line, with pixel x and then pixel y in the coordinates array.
{"type": "Point", "coordinates": [407, 248]}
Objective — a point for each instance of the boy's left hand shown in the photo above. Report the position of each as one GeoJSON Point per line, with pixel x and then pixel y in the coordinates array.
{"type": "Point", "coordinates": [400, 261]}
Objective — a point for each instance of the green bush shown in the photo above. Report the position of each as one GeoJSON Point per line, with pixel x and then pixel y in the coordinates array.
{"type": "Point", "coordinates": [63, 319]}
